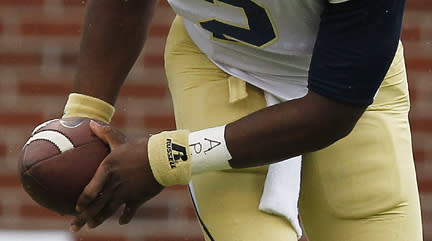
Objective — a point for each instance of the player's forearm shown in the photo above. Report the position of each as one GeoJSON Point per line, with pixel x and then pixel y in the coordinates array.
{"type": "Point", "coordinates": [113, 36]}
{"type": "Point", "coordinates": [288, 129]}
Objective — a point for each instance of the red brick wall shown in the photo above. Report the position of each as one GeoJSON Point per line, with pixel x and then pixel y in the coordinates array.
{"type": "Point", "coordinates": [38, 47]}
{"type": "Point", "coordinates": [417, 37]}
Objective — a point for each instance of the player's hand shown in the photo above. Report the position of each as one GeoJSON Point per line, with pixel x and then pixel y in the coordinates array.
{"type": "Point", "coordinates": [123, 177]}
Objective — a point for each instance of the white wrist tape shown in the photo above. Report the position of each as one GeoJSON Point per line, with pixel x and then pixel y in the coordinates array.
{"type": "Point", "coordinates": [208, 150]}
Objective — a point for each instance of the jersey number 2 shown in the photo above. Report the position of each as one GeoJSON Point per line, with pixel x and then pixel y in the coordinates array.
{"type": "Point", "coordinates": [259, 33]}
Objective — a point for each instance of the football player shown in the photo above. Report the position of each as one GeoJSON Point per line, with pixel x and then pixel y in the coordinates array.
{"type": "Point", "coordinates": [335, 66]}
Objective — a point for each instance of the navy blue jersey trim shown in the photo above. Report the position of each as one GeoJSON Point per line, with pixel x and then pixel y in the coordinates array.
{"type": "Point", "coordinates": [199, 217]}
{"type": "Point", "coordinates": [355, 46]}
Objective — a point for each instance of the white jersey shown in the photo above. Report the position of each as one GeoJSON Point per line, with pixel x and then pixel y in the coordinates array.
{"type": "Point", "coordinates": [268, 43]}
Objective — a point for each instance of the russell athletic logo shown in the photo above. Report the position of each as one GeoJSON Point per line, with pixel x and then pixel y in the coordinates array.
{"type": "Point", "coordinates": [175, 153]}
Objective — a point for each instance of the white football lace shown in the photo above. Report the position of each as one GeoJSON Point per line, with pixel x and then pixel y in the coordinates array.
{"type": "Point", "coordinates": [42, 125]}
{"type": "Point", "coordinates": [57, 138]}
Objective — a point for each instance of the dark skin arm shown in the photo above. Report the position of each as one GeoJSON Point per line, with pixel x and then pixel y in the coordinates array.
{"type": "Point", "coordinates": [289, 129]}
{"type": "Point", "coordinates": [114, 33]}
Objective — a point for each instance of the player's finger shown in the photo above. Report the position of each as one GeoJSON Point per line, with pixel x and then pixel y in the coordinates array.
{"type": "Point", "coordinates": [109, 209]}
{"type": "Point", "coordinates": [95, 186]}
{"type": "Point", "coordinates": [108, 134]}
{"type": "Point", "coordinates": [95, 207]}
{"type": "Point", "coordinates": [128, 213]}
{"type": "Point", "coordinates": [77, 223]}
{"type": "Point", "coordinates": [88, 215]}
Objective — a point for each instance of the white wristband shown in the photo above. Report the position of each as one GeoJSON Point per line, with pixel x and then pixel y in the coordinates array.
{"type": "Point", "coordinates": [208, 150]}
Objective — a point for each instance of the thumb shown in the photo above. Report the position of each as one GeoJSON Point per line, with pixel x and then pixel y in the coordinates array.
{"type": "Point", "coordinates": [110, 135]}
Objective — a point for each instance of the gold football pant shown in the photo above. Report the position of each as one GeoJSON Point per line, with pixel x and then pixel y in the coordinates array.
{"type": "Point", "coordinates": [361, 188]}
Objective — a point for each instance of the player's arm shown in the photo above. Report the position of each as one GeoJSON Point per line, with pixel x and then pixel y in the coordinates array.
{"type": "Point", "coordinates": [289, 129]}
{"type": "Point", "coordinates": [114, 32]}
{"type": "Point", "coordinates": [354, 49]}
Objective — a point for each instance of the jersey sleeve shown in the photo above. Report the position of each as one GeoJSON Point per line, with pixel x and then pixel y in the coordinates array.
{"type": "Point", "coordinates": [355, 46]}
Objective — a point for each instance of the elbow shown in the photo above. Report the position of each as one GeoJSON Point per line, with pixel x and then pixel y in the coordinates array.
{"type": "Point", "coordinates": [336, 129]}
{"type": "Point", "coordinates": [342, 130]}
{"type": "Point", "coordinates": [330, 120]}
{"type": "Point", "coordinates": [325, 136]}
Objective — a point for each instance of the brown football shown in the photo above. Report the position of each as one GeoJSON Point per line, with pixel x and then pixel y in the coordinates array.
{"type": "Point", "coordinates": [58, 161]}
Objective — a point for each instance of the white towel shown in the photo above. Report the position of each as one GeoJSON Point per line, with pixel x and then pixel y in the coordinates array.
{"type": "Point", "coordinates": [282, 186]}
